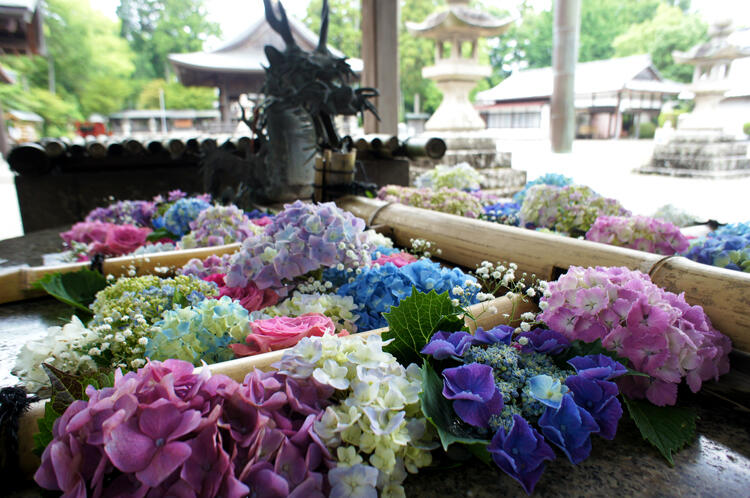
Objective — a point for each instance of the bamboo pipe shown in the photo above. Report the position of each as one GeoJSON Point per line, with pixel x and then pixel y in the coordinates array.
{"type": "Point", "coordinates": [723, 294]}
{"type": "Point", "coordinates": [239, 368]}
{"type": "Point", "coordinates": [17, 284]}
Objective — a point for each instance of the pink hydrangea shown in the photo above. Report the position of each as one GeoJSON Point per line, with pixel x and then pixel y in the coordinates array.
{"type": "Point", "coordinates": [398, 258]}
{"type": "Point", "coordinates": [658, 331]}
{"type": "Point", "coordinates": [87, 232]}
{"type": "Point", "coordinates": [638, 232]}
{"type": "Point", "coordinates": [169, 431]}
{"type": "Point", "coordinates": [284, 332]}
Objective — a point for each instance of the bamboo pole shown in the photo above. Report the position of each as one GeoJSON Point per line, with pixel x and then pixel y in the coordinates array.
{"type": "Point", "coordinates": [18, 284]}
{"type": "Point", "coordinates": [723, 294]}
{"type": "Point", "coordinates": [239, 368]}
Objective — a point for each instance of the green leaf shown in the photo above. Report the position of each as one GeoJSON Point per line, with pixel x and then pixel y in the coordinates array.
{"type": "Point", "coordinates": [77, 289]}
{"type": "Point", "coordinates": [669, 428]}
{"type": "Point", "coordinates": [439, 411]}
{"type": "Point", "coordinates": [45, 424]}
{"type": "Point", "coordinates": [413, 321]}
{"type": "Point", "coordinates": [66, 388]}
{"type": "Point", "coordinates": [161, 233]}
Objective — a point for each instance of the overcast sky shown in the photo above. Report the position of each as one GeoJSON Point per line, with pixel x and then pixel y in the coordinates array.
{"type": "Point", "coordinates": [234, 16]}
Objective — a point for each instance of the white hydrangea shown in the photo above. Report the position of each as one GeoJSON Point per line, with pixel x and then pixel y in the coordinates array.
{"type": "Point", "coordinates": [375, 239]}
{"type": "Point", "coordinates": [378, 421]}
{"type": "Point", "coordinates": [342, 310]}
{"type": "Point", "coordinates": [62, 347]}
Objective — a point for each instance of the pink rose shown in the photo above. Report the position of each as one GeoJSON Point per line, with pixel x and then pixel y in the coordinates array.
{"type": "Point", "coordinates": [283, 332]}
{"type": "Point", "coordinates": [124, 239]}
{"type": "Point", "coordinates": [399, 259]}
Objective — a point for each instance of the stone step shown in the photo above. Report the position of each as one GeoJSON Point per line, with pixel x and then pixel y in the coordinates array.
{"type": "Point", "coordinates": [503, 178]}
{"type": "Point", "coordinates": [689, 149]}
{"type": "Point", "coordinates": [703, 164]}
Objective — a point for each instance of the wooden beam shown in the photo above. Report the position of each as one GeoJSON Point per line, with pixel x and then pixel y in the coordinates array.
{"type": "Point", "coordinates": [380, 24]}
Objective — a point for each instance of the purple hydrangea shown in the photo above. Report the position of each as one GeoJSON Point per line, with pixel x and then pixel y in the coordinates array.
{"type": "Point", "coordinates": [443, 345]}
{"type": "Point", "coordinates": [300, 239]}
{"type": "Point", "coordinates": [501, 334]}
{"type": "Point", "coordinates": [569, 427]}
{"type": "Point", "coordinates": [138, 213]}
{"type": "Point", "coordinates": [545, 341]}
{"type": "Point", "coordinates": [168, 431]}
{"type": "Point", "coordinates": [597, 366]}
{"type": "Point", "coordinates": [599, 399]}
{"type": "Point", "coordinates": [521, 453]}
{"type": "Point", "coordinates": [474, 394]}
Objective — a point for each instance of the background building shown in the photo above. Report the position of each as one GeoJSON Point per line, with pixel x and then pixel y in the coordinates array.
{"type": "Point", "coordinates": [612, 98]}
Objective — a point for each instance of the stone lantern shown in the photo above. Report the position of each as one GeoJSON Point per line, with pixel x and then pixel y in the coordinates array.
{"type": "Point", "coordinates": [709, 141]}
{"type": "Point", "coordinates": [711, 82]}
{"type": "Point", "coordinates": [457, 70]}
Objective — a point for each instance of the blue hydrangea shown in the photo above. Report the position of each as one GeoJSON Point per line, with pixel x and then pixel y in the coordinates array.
{"type": "Point", "coordinates": [201, 332]}
{"type": "Point", "coordinates": [548, 179]}
{"type": "Point", "coordinates": [377, 288]}
{"type": "Point", "coordinates": [723, 249]}
{"type": "Point", "coordinates": [179, 215]}
{"type": "Point", "coordinates": [506, 213]}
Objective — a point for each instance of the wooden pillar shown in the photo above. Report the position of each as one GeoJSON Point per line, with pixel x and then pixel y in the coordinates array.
{"type": "Point", "coordinates": [224, 106]}
{"type": "Point", "coordinates": [4, 147]}
{"type": "Point", "coordinates": [564, 57]}
{"type": "Point", "coordinates": [380, 24]}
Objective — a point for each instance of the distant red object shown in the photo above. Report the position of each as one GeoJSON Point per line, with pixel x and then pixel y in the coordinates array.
{"type": "Point", "coordinates": [88, 129]}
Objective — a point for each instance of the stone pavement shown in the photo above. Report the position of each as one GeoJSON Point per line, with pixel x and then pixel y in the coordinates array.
{"type": "Point", "coordinates": [605, 165]}
{"type": "Point", "coordinates": [608, 167]}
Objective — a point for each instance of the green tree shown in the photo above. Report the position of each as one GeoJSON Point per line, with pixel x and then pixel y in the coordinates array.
{"type": "Point", "coordinates": [529, 42]}
{"type": "Point", "coordinates": [670, 29]}
{"type": "Point", "coordinates": [58, 114]}
{"type": "Point", "coordinates": [92, 63]}
{"type": "Point", "coordinates": [156, 28]}
{"type": "Point", "coordinates": [344, 27]}
{"type": "Point", "coordinates": [176, 96]}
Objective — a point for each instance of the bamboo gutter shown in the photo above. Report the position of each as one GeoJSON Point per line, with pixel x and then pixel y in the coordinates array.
{"type": "Point", "coordinates": [239, 368]}
{"type": "Point", "coordinates": [17, 284]}
{"type": "Point", "coordinates": [723, 294]}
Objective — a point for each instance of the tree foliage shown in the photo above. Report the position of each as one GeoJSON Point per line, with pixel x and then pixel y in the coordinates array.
{"type": "Point", "coordinates": [157, 28]}
{"type": "Point", "coordinates": [344, 31]}
{"type": "Point", "coordinates": [529, 42]}
{"type": "Point", "coordinates": [92, 66]}
{"type": "Point", "coordinates": [669, 30]}
{"type": "Point", "coordinates": [176, 96]}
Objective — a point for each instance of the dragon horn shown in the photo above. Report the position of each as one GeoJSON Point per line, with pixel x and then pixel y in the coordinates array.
{"type": "Point", "coordinates": [323, 41]}
{"type": "Point", "coordinates": [280, 24]}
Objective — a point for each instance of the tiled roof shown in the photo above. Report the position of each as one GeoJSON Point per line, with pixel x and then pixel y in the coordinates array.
{"type": "Point", "coordinates": [602, 76]}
